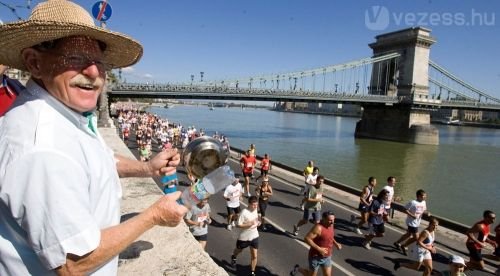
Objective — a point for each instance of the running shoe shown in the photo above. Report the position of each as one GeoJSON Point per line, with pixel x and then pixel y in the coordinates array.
{"type": "Point", "coordinates": [295, 270]}
{"type": "Point", "coordinates": [353, 219]}
{"type": "Point", "coordinates": [367, 245]}
{"type": "Point", "coordinates": [301, 207]}
{"type": "Point", "coordinates": [295, 230]}
{"type": "Point", "coordinates": [249, 195]}
{"type": "Point", "coordinates": [229, 227]}
{"type": "Point", "coordinates": [358, 231]}
{"type": "Point", "coordinates": [404, 250]}
{"type": "Point", "coordinates": [252, 273]}
{"type": "Point", "coordinates": [233, 224]}
{"type": "Point", "coordinates": [397, 265]}
{"type": "Point", "coordinates": [233, 260]}
{"type": "Point", "coordinates": [397, 245]}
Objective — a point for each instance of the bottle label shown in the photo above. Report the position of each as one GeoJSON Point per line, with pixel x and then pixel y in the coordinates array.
{"type": "Point", "coordinates": [169, 183]}
{"type": "Point", "coordinates": [198, 192]}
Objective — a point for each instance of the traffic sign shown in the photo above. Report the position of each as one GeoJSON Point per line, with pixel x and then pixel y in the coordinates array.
{"type": "Point", "coordinates": [101, 11]}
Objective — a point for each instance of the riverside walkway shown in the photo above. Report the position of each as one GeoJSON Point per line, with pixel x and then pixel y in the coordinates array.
{"type": "Point", "coordinates": [278, 249]}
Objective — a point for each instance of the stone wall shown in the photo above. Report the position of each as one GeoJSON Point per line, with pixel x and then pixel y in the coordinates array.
{"type": "Point", "coordinates": [161, 250]}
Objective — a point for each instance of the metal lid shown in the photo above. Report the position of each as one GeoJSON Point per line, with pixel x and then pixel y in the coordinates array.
{"type": "Point", "coordinates": [203, 155]}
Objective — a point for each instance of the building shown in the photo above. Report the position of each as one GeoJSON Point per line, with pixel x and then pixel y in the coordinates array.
{"type": "Point", "coordinates": [19, 75]}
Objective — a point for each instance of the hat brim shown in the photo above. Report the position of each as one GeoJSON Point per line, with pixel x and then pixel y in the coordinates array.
{"type": "Point", "coordinates": [121, 50]}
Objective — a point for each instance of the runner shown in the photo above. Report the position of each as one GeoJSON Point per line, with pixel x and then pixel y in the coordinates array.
{"type": "Point", "coordinates": [391, 182]}
{"type": "Point", "coordinates": [247, 164]}
{"type": "Point", "coordinates": [307, 171]}
{"type": "Point", "coordinates": [310, 181]}
{"type": "Point", "coordinates": [376, 219]}
{"type": "Point", "coordinates": [252, 150]}
{"type": "Point", "coordinates": [264, 191]}
{"type": "Point", "coordinates": [456, 267]}
{"type": "Point", "coordinates": [265, 166]}
{"type": "Point", "coordinates": [249, 220]}
{"type": "Point", "coordinates": [198, 219]}
{"type": "Point", "coordinates": [414, 209]}
{"type": "Point", "coordinates": [422, 251]}
{"type": "Point", "coordinates": [321, 239]}
{"type": "Point", "coordinates": [477, 238]}
{"type": "Point", "coordinates": [145, 153]}
{"type": "Point", "coordinates": [364, 204]}
{"type": "Point", "coordinates": [312, 206]}
{"type": "Point", "coordinates": [497, 239]}
{"type": "Point", "coordinates": [232, 194]}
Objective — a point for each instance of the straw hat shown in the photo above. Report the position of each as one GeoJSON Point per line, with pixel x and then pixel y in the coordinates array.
{"type": "Point", "coordinates": [55, 19]}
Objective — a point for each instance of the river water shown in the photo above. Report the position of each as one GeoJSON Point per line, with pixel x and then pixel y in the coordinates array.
{"type": "Point", "coordinates": [461, 176]}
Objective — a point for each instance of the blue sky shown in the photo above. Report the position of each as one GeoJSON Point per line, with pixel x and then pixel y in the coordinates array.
{"type": "Point", "coordinates": [227, 39]}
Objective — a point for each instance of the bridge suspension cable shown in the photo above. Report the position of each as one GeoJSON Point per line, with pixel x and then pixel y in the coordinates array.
{"type": "Point", "coordinates": [441, 79]}
{"type": "Point", "coordinates": [350, 77]}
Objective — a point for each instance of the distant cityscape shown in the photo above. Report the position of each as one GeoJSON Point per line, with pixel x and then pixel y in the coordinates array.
{"type": "Point", "coordinates": [446, 116]}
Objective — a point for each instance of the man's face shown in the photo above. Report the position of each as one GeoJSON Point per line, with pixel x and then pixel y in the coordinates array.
{"type": "Point", "coordinates": [392, 182]}
{"type": "Point", "coordinates": [422, 197]}
{"type": "Point", "coordinates": [252, 206]}
{"type": "Point", "coordinates": [329, 220]}
{"type": "Point", "coordinates": [319, 182]}
{"type": "Point", "coordinates": [202, 203]}
{"type": "Point", "coordinates": [73, 73]}
{"type": "Point", "coordinates": [490, 219]}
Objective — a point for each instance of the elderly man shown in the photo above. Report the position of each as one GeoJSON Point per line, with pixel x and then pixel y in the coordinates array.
{"type": "Point", "coordinates": [59, 183]}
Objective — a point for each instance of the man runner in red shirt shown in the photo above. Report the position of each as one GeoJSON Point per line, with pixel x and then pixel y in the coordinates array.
{"type": "Point", "coordinates": [247, 164]}
{"type": "Point", "coordinates": [321, 240]}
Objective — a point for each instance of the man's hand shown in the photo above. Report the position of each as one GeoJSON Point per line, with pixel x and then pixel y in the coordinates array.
{"type": "Point", "coordinates": [166, 211]}
{"type": "Point", "coordinates": [323, 251]}
{"type": "Point", "coordinates": [164, 162]}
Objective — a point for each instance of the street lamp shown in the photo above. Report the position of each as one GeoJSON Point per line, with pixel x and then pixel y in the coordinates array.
{"type": "Point", "coordinates": [192, 79]}
{"type": "Point", "coordinates": [201, 76]}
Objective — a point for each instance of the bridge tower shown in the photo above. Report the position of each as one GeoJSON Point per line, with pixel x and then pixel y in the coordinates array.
{"type": "Point", "coordinates": [408, 78]}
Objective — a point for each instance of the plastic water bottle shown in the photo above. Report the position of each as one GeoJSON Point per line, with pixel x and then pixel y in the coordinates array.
{"type": "Point", "coordinates": [169, 183]}
{"type": "Point", "coordinates": [210, 184]}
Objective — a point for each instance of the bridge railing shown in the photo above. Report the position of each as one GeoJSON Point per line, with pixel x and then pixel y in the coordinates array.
{"type": "Point", "coordinates": [217, 89]}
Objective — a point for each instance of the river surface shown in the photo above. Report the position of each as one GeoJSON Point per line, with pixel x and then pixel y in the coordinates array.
{"type": "Point", "coordinates": [461, 176]}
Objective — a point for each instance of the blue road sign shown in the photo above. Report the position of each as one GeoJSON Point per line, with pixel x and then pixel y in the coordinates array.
{"type": "Point", "coordinates": [101, 11]}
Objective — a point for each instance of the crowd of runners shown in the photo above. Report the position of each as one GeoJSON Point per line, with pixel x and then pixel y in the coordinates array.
{"type": "Point", "coordinates": [375, 209]}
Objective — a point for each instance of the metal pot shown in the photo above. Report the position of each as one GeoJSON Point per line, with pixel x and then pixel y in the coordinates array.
{"type": "Point", "coordinates": [203, 155]}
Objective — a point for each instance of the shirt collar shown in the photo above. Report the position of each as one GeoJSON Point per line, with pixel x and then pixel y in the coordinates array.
{"type": "Point", "coordinates": [76, 118]}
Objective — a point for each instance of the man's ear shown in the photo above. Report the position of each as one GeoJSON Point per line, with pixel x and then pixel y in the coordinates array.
{"type": "Point", "coordinates": [31, 59]}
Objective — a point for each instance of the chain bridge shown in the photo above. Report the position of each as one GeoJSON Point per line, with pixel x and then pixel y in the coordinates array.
{"type": "Point", "coordinates": [398, 87]}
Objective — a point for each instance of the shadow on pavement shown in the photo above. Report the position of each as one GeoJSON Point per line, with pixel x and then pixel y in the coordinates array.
{"type": "Point", "coordinates": [342, 225]}
{"type": "Point", "coordinates": [134, 250]}
{"type": "Point", "coordinates": [354, 240]}
{"type": "Point", "coordinates": [384, 247]}
{"type": "Point", "coordinates": [279, 204]}
{"type": "Point", "coordinates": [371, 268]}
{"type": "Point", "coordinates": [288, 192]}
{"type": "Point", "coordinates": [225, 265]}
{"type": "Point", "coordinates": [217, 224]}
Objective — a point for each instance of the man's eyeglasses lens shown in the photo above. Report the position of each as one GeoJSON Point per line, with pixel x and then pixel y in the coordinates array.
{"type": "Point", "coordinates": [81, 62]}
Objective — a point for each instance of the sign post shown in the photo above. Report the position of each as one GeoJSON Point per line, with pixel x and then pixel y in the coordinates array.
{"type": "Point", "coordinates": [102, 11]}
